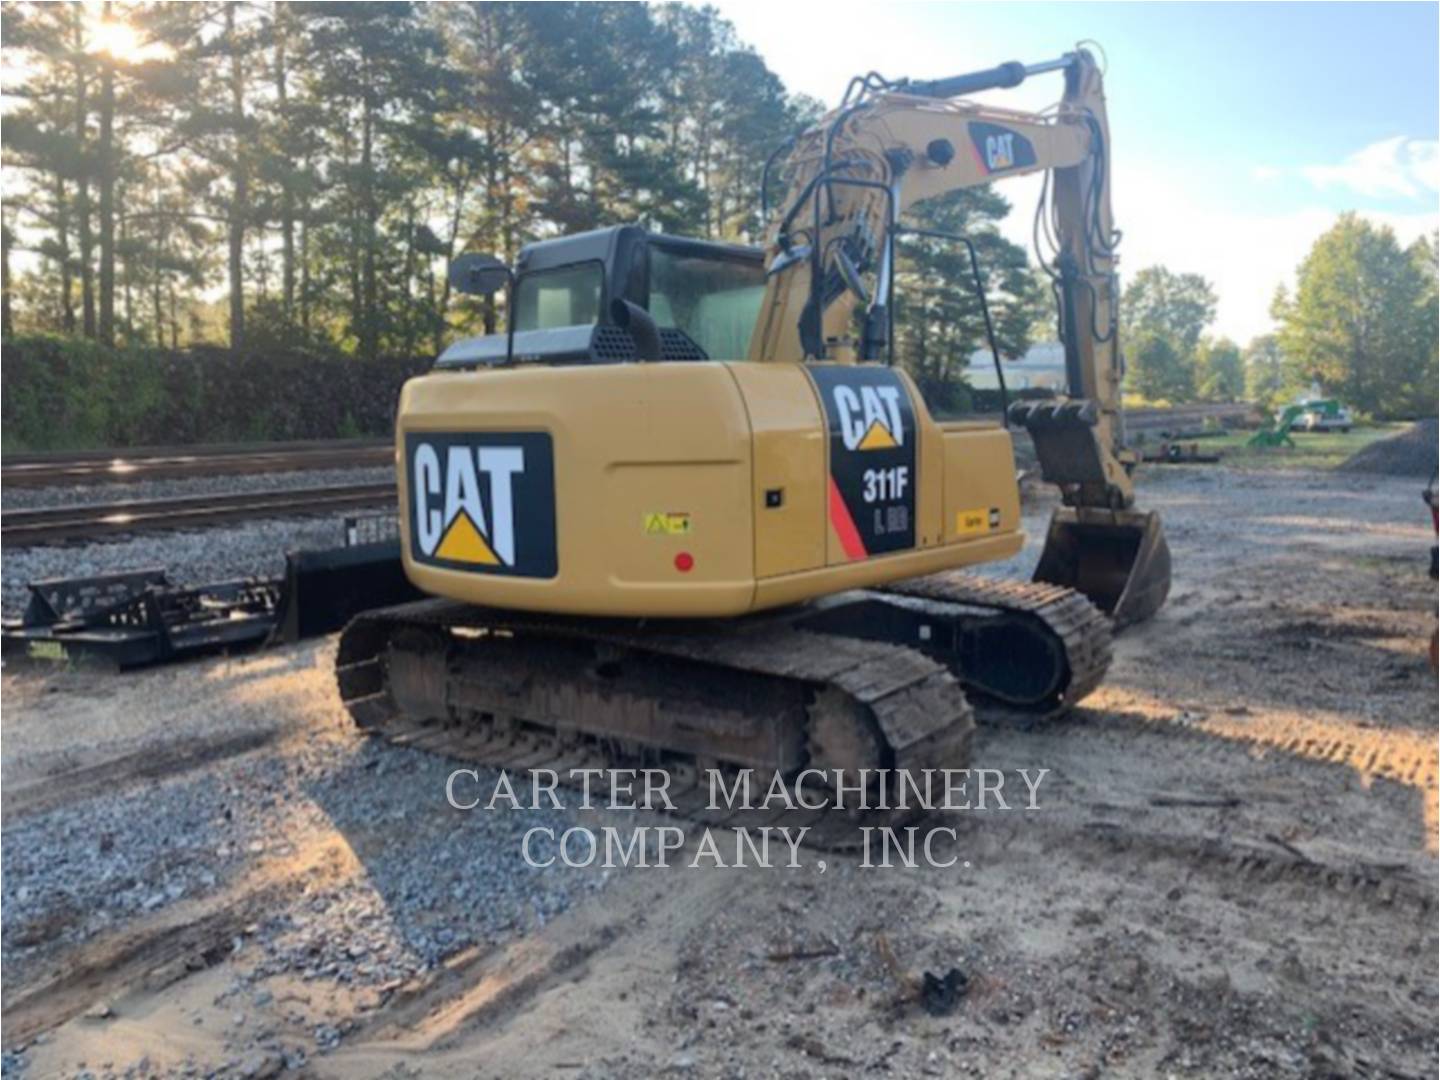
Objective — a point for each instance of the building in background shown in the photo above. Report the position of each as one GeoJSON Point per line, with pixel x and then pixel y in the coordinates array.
{"type": "Point", "coordinates": [1041, 368]}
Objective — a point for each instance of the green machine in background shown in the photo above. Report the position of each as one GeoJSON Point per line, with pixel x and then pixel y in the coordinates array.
{"type": "Point", "coordinates": [1276, 429]}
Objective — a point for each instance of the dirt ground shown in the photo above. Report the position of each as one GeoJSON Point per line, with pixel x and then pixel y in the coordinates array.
{"type": "Point", "coordinates": [1232, 870]}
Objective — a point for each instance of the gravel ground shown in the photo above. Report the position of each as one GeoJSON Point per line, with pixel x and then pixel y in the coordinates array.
{"type": "Point", "coordinates": [1411, 453]}
{"type": "Point", "coordinates": [28, 498]}
{"type": "Point", "coordinates": [427, 882]}
{"type": "Point", "coordinates": [1279, 922]}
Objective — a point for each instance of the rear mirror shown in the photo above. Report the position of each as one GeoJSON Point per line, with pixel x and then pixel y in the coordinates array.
{"type": "Point", "coordinates": [478, 275]}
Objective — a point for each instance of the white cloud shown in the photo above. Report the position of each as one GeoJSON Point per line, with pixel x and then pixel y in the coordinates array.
{"type": "Point", "coordinates": [1244, 253]}
{"type": "Point", "coordinates": [1399, 166]}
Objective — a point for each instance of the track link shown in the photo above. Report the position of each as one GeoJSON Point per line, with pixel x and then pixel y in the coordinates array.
{"type": "Point", "coordinates": [1081, 632]}
{"type": "Point", "coordinates": [518, 691]}
{"type": "Point", "coordinates": [821, 687]}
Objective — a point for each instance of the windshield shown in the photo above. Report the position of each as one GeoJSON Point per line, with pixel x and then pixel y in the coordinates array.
{"type": "Point", "coordinates": [713, 299]}
{"type": "Point", "coordinates": [568, 296]}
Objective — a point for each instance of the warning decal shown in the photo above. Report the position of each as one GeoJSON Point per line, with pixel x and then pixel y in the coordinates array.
{"type": "Point", "coordinates": [482, 501]}
{"type": "Point", "coordinates": [979, 520]}
{"type": "Point", "coordinates": [872, 457]}
{"type": "Point", "coordinates": [673, 523]}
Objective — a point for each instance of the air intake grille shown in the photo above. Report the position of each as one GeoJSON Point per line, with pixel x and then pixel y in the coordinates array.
{"type": "Point", "coordinates": [677, 345]}
{"type": "Point", "coordinates": [614, 345]}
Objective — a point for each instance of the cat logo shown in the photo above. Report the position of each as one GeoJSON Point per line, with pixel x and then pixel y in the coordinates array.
{"type": "Point", "coordinates": [1000, 151]}
{"type": "Point", "coordinates": [482, 502]}
{"type": "Point", "coordinates": [869, 417]}
{"type": "Point", "coordinates": [456, 527]}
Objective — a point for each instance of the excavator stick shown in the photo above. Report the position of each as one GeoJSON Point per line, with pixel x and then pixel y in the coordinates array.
{"type": "Point", "coordinates": [1117, 558]}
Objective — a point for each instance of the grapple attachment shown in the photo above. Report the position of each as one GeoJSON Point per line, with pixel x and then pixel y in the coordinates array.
{"type": "Point", "coordinates": [1118, 558]}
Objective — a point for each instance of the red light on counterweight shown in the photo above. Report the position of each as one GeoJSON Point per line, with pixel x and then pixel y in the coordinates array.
{"type": "Point", "coordinates": [684, 562]}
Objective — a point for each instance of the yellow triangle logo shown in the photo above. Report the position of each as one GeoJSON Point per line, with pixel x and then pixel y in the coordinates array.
{"type": "Point", "coordinates": [462, 542]}
{"type": "Point", "coordinates": [877, 438]}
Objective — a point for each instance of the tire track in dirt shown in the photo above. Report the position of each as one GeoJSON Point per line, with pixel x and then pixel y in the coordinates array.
{"type": "Point", "coordinates": [117, 774]}
{"type": "Point", "coordinates": [152, 953]}
{"type": "Point", "coordinates": [1405, 756]}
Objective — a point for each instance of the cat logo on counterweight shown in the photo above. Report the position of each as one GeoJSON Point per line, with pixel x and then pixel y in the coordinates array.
{"type": "Point", "coordinates": [482, 502]}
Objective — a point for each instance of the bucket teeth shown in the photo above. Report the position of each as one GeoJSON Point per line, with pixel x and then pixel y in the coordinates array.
{"type": "Point", "coordinates": [1043, 414]}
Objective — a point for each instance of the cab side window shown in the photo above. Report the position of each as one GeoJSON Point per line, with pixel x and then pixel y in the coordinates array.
{"type": "Point", "coordinates": [567, 296]}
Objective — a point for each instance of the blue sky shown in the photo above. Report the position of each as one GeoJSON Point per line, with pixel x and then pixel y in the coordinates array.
{"type": "Point", "coordinates": [1239, 130]}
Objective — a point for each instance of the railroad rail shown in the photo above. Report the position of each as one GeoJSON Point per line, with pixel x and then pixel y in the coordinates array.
{"type": "Point", "coordinates": [178, 462]}
{"type": "Point", "coordinates": [59, 524]}
{"type": "Point", "coordinates": [1185, 417]}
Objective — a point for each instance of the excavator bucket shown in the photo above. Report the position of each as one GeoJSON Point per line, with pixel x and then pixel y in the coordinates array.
{"type": "Point", "coordinates": [1118, 558]}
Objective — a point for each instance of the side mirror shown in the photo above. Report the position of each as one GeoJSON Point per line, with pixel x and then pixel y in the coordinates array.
{"type": "Point", "coordinates": [478, 275]}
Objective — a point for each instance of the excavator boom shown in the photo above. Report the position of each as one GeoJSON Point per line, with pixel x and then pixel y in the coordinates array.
{"type": "Point", "coordinates": [852, 177]}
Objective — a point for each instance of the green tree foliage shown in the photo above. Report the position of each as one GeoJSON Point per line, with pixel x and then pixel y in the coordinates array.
{"type": "Point", "coordinates": [1177, 307]}
{"type": "Point", "coordinates": [1264, 371]}
{"type": "Point", "coordinates": [1219, 370]}
{"type": "Point", "coordinates": [281, 171]}
{"type": "Point", "coordinates": [1180, 306]}
{"type": "Point", "coordinates": [1158, 370]}
{"type": "Point", "coordinates": [1362, 322]}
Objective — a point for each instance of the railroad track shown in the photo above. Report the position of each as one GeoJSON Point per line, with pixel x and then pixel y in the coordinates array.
{"type": "Point", "coordinates": [176, 462]}
{"type": "Point", "coordinates": [1184, 417]}
{"type": "Point", "coordinates": [21, 528]}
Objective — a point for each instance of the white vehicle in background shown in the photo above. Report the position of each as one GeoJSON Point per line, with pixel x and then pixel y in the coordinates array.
{"type": "Point", "coordinates": [1330, 417]}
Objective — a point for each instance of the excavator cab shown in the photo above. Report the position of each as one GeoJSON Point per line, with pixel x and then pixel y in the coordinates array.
{"type": "Point", "coordinates": [584, 299]}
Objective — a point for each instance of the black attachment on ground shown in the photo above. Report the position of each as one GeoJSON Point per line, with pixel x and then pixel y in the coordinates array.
{"type": "Point", "coordinates": [324, 590]}
{"type": "Point", "coordinates": [139, 617]}
{"type": "Point", "coordinates": [129, 619]}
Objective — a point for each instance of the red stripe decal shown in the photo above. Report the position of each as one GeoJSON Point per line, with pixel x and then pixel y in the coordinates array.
{"type": "Point", "coordinates": [844, 525]}
{"type": "Point", "coordinates": [979, 158]}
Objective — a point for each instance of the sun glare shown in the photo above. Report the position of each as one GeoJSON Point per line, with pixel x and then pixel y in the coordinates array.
{"type": "Point", "coordinates": [119, 39]}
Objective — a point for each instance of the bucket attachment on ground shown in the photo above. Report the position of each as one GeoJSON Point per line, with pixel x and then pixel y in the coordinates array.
{"type": "Point", "coordinates": [1118, 558]}
{"type": "Point", "coordinates": [325, 589]}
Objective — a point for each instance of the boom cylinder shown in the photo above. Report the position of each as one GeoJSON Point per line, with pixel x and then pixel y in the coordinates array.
{"type": "Point", "coordinates": [1002, 77]}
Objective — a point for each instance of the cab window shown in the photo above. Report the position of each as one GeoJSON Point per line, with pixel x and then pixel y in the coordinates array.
{"type": "Point", "coordinates": [567, 296]}
{"type": "Point", "coordinates": [714, 300]}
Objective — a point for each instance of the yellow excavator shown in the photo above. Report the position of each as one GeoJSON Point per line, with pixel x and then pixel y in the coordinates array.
{"type": "Point", "coordinates": [689, 511]}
